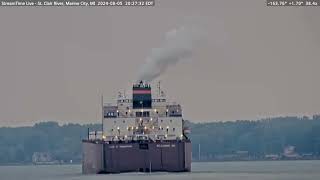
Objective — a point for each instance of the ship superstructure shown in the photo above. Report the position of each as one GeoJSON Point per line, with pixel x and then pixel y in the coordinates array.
{"type": "Point", "coordinates": [142, 117]}
{"type": "Point", "coordinates": [141, 133]}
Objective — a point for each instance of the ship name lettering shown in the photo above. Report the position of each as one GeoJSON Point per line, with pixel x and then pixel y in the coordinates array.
{"type": "Point", "coordinates": [126, 146]}
{"type": "Point", "coordinates": [163, 145]}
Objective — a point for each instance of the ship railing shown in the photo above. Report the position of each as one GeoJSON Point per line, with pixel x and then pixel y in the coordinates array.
{"type": "Point", "coordinates": [129, 140]}
{"type": "Point", "coordinates": [159, 100]}
{"type": "Point", "coordinates": [124, 100]}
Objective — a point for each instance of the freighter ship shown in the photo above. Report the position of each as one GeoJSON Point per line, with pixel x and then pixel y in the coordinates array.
{"type": "Point", "coordinates": [139, 134]}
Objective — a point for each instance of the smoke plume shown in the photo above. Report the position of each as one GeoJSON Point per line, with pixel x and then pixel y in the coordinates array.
{"type": "Point", "coordinates": [178, 46]}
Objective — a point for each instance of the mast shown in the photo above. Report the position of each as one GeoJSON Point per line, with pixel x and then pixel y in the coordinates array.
{"type": "Point", "coordinates": [102, 114]}
{"type": "Point", "coordinates": [199, 151]}
{"type": "Point", "coordinates": [159, 88]}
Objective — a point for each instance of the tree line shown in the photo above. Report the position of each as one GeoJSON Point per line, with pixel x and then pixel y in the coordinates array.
{"type": "Point", "coordinates": [257, 138]}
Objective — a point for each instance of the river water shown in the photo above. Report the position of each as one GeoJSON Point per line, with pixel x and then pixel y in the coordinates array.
{"type": "Point", "coordinates": [259, 170]}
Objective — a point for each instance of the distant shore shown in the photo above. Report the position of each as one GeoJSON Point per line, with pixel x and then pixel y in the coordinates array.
{"type": "Point", "coordinates": [194, 161]}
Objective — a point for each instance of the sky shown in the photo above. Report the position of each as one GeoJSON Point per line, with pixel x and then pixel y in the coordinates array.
{"type": "Point", "coordinates": [255, 62]}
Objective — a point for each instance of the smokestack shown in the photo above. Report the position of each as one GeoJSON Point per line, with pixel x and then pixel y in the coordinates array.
{"type": "Point", "coordinates": [178, 46]}
{"type": "Point", "coordinates": [141, 95]}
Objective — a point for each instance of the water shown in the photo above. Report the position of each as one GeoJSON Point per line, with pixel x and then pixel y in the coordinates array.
{"type": "Point", "coordinates": [262, 170]}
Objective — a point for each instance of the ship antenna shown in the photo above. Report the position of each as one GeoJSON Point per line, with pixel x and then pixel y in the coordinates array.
{"type": "Point", "coordinates": [102, 114]}
{"type": "Point", "coordinates": [159, 88]}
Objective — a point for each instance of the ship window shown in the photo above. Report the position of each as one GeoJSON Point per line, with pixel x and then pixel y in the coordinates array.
{"type": "Point", "coordinates": [173, 129]}
{"type": "Point", "coordinates": [138, 114]}
{"type": "Point", "coordinates": [172, 112]}
{"type": "Point", "coordinates": [146, 114]}
{"type": "Point", "coordinates": [143, 114]}
{"type": "Point", "coordinates": [161, 120]}
{"type": "Point", "coordinates": [126, 113]}
{"type": "Point", "coordinates": [111, 129]}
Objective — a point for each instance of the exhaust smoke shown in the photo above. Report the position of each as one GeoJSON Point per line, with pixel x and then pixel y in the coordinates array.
{"type": "Point", "coordinates": [178, 46]}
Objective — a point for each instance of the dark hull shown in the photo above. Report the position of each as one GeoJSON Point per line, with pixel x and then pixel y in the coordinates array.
{"type": "Point", "coordinates": [101, 157]}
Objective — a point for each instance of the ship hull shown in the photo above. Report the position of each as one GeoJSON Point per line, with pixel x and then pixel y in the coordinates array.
{"type": "Point", "coordinates": [103, 157]}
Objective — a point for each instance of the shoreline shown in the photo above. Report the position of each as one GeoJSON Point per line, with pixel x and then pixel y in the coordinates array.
{"type": "Point", "coordinates": [64, 164]}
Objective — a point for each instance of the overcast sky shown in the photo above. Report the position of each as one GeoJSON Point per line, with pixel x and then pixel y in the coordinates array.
{"type": "Point", "coordinates": [257, 61]}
